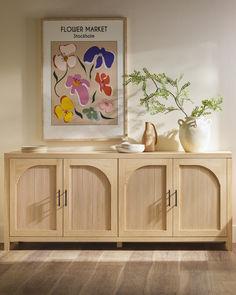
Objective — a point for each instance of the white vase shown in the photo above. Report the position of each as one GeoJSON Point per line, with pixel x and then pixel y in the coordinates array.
{"type": "Point", "coordinates": [194, 133]}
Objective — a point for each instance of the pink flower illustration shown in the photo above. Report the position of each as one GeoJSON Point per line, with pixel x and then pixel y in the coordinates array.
{"type": "Point", "coordinates": [80, 86]}
{"type": "Point", "coordinates": [105, 105]}
{"type": "Point", "coordinates": [67, 57]}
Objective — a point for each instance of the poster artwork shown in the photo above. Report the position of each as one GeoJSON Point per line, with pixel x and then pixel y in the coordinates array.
{"type": "Point", "coordinates": [84, 83]}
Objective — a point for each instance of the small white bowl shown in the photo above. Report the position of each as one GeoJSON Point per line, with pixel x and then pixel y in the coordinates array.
{"type": "Point", "coordinates": [34, 149]}
{"type": "Point", "coordinates": [130, 148]}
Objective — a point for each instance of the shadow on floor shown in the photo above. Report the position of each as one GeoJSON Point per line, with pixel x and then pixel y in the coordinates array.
{"type": "Point", "coordinates": [113, 246]}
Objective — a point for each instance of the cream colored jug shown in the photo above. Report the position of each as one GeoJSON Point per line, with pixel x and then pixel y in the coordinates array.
{"type": "Point", "coordinates": [194, 133]}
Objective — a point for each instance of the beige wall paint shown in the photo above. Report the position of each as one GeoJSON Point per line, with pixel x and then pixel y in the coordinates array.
{"type": "Point", "coordinates": [193, 37]}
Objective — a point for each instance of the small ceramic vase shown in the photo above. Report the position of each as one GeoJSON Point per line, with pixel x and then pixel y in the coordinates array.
{"type": "Point", "coordinates": [149, 140]}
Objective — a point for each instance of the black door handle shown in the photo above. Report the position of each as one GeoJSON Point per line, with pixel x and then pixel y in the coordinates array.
{"type": "Point", "coordinates": [176, 198]}
{"type": "Point", "coordinates": [59, 198]}
{"type": "Point", "coordinates": [169, 198]}
{"type": "Point", "coordinates": [65, 198]}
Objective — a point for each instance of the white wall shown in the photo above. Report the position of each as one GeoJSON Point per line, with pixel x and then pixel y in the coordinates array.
{"type": "Point", "coordinates": [196, 38]}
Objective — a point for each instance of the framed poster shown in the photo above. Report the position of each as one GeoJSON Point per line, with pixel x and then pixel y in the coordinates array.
{"type": "Point", "coordinates": [83, 68]}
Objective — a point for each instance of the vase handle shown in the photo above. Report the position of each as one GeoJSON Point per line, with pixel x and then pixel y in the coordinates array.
{"type": "Point", "coordinates": [155, 130]}
{"type": "Point", "coordinates": [180, 122]}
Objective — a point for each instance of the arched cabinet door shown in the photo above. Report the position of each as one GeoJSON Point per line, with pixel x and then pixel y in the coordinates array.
{"type": "Point", "coordinates": [34, 189]}
{"type": "Point", "coordinates": [145, 197]}
{"type": "Point", "coordinates": [90, 197]}
{"type": "Point", "coordinates": [200, 197]}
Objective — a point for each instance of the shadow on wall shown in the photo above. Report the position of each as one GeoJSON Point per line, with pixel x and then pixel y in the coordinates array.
{"type": "Point", "coordinates": [168, 142]}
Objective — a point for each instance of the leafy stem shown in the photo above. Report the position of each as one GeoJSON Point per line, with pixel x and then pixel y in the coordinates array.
{"type": "Point", "coordinates": [57, 81]}
{"type": "Point", "coordinates": [168, 89]}
{"type": "Point", "coordinates": [208, 105]}
{"type": "Point", "coordinates": [177, 103]}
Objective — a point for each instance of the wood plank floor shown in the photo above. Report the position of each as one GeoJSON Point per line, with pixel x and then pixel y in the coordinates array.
{"type": "Point", "coordinates": [105, 270]}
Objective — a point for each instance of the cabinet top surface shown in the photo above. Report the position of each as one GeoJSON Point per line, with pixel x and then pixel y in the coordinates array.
{"type": "Point", "coordinates": [66, 153]}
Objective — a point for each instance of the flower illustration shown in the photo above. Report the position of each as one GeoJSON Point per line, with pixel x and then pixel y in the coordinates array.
{"type": "Point", "coordinates": [80, 86]}
{"type": "Point", "coordinates": [67, 57]}
{"type": "Point", "coordinates": [102, 55]}
{"type": "Point", "coordinates": [63, 111]}
{"type": "Point", "coordinates": [91, 114]}
{"type": "Point", "coordinates": [105, 105]}
{"type": "Point", "coordinates": [103, 81]}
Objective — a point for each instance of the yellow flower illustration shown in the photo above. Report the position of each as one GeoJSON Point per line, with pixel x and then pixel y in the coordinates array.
{"type": "Point", "coordinates": [63, 111]}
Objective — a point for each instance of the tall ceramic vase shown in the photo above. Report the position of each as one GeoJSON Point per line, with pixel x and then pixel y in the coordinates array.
{"type": "Point", "coordinates": [194, 133]}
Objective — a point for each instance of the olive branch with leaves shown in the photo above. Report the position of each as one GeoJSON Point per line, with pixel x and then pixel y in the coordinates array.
{"type": "Point", "coordinates": [167, 89]}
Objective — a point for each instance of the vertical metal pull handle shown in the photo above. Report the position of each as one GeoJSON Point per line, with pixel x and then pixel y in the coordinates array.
{"type": "Point", "coordinates": [169, 198]}
{"type": "Point", "coordinates": [176, 198]}
{"type": "Point", "coordinates": [59, 198]}
{"type": "Point", "coordinates": [66, 198]}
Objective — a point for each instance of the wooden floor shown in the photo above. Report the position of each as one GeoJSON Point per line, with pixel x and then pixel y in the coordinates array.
{"type": "Point", "coordinates": [103, 269]}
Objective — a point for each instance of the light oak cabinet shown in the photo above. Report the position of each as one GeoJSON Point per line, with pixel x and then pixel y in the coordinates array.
{"type": "Point", "coordinates": [43, 205]}
{"type": "Point", "coordinates": [107, 196]}
{"type": "Point", "coordinates": [178, 198]}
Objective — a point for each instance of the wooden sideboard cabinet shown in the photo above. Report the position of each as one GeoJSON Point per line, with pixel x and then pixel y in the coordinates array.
{"type": "Point", "coordinates": [114, 197]}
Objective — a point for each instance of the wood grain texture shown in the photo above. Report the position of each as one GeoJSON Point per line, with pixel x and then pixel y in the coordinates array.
{"type": "Point", "coordinates": [143, 197]}
{"type": "Point", "coordinates": [229, 205]}
{"type": "Point", "coordinates": [83, 267]}
{"type": "Point", "coordinates": [92, 197]}
{"type": "Point", "coordinates": [34, 209]}
{"type": "Point", "coordinates": [35, 199]}
{"type": "Point", "coordinates": [201, 197]}
{"type": "Point", "coordinates": [136, 211]}
{"type": "Point", "coordinates": [146, 199]}
{"type": "Point", "coordinates": [109, 154]}
{"type": "Point", "coordinates": [134, 277]}
{"type": "Point", "coordinates": [113, 272]}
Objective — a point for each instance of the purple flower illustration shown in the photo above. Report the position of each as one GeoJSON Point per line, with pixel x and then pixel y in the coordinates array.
{"type": "Point", "coordinates": [80, 86]}
{"type": "Point", "coordinates": [102, 55]}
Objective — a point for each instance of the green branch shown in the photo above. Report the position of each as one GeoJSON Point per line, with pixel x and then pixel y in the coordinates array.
{"type": "Point", "coordinates": [166, 89]}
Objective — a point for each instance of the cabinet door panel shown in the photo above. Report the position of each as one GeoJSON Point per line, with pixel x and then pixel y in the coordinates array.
{"type": "Point", "coordinates": [201, 193]}
{"type": "Point", "coordinates": [33, 197]}
{"type": "Point", "coordinates": [144, 197]}
{"type": "Point", "coordinates": [92, 197]}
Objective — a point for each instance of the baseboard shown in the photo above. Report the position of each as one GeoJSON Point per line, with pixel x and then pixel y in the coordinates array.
{"type": "Point", "coordinates": [234, 233]}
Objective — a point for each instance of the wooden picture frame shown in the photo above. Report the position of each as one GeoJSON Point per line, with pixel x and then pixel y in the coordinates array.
{"type": "Point", "coordinates": [84, 61]}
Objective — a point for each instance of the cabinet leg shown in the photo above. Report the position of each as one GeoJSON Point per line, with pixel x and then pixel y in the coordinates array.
{"type": "Point", "coordinates": [228, 245]}
{"type": "Point", "coordinates": [6, 246]}
{"type": "Point", "coordinates": [119, 244]}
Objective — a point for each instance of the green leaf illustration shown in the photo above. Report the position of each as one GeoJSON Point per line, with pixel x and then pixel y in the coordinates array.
{"type": "Point", "coordinates": [93, 98]}
{"type": "Point", "coordinates": [58, 81]}
{"type": "Point", "coordinates": [82, 65]}
{"type": "Point", "coordinates": [106, 118]}
{"type": "Point", "coordinates": [90, 72]}
{"type": "Point", "coordinates": [78, 114]}
{"type": "Point", "coordinates": [55, 76]}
